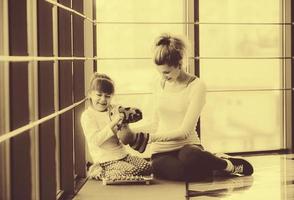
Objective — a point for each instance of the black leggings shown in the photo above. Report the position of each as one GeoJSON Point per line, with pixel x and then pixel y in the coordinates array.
{"type": "Point", "coordinates": [190, 163]}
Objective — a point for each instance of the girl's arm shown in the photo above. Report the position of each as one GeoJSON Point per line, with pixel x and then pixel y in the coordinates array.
{"type": "Point", "coordinates": [190, 120]}
{"type": "Point", "coordinates": [94, 133]}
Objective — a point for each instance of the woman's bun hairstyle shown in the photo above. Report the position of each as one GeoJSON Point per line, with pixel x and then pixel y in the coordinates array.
{"type": "Point", "coordinates": [169, 50]}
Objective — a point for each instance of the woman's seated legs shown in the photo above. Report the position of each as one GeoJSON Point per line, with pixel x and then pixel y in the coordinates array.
{"type": "Point", "coordinates": [177, 165]}
{"type": "Point", "coordinates": [190, 163]}
{"type": "Point", "coordinates": [196, 156]}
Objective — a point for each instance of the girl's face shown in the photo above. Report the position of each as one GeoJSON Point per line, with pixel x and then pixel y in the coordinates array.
{"type": "Point", "coordinates": [169, 73]}
{"type": "Point", "coordinates": [100, 100]}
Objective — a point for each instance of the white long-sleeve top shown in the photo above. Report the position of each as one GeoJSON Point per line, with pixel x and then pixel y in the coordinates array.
{"type": "Point", "coordinates": [103, 144]}
{"type": "Point", "coordinates": [177, 110]}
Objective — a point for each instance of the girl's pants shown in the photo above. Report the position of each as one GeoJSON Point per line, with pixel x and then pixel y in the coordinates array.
{"type": "Point", "coordinates": [128, 166]}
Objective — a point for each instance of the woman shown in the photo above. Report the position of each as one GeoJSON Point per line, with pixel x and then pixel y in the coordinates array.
{"type": "Point", "coordinates": [177, 153]}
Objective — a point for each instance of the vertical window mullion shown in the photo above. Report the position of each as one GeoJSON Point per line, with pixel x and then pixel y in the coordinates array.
{"type": "Point", "coordinates": [196, 50]}
{"type": "Point", "coordinates": [4, 128]}
{"type": "Point", "coordinates": [65, 99]}
{"type": "Point", "coordinates": [190, 17]}
{"type": "Point", "coordinates": [89, 41]}
{"type": "Point", "coordinates": [196, 38]}
{"type": "Point", "coordinates": [56, 98]}
{"type": "Point", "coordinates": [33, 94]}
{"type": "Point", "coordinates": [88, 50]}
{"type": "Point", "coordinates": [291, 133]}
{"type": "Point", "coordinates": [95, 63]}
{"type": "Point", "coordinates": [79, 91]}
{"type": "Point", "coordinates": [4, 104]}
{"type": "Point", "coordinates": [288, 76]}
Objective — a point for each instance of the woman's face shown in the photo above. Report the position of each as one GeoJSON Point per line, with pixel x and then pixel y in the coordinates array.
{"type": "Point", "coordinates": [169, 73]}
{"type": "Point", "coordinates": [100, 100]}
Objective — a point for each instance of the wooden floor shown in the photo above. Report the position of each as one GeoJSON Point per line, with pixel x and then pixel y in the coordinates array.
{"type": "Point", "coordinates": [273, 180]}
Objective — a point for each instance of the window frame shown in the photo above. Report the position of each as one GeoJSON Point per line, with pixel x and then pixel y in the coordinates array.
{"type": "Point", "coordinates": [290, 77]}
{"type": "Point", "coordinates": [4, 104]}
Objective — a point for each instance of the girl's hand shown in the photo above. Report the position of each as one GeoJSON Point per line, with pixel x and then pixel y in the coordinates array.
{"type": "Point", "coordinates": [116, 122]}
{"type": "Point", "coordinates": [118, 118]}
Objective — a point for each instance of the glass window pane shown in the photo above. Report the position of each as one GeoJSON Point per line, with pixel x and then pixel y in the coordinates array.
{"type": "Point", "coordinates": [242, 73]}
{"type": "Point", "coordinates": [138, 11]}
{"type": "Point", "coordinates": [240, 10]}
{"type": "Point", "coordinates": [242, 121]}
{"type": "Point", "coordinates": [131, 40]}
{"type": "Point", "coordinates": [240, 40]}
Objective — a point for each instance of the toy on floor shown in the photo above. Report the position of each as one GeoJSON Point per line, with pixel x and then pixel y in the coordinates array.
{"type": "Point", "coordinates": [125, 180]}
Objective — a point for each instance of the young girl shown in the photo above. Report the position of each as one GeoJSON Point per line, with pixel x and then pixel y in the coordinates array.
{"type": "Point", "coordinates": [177, 153]}
{"type": "Point", "coordinates": [101, 131]}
